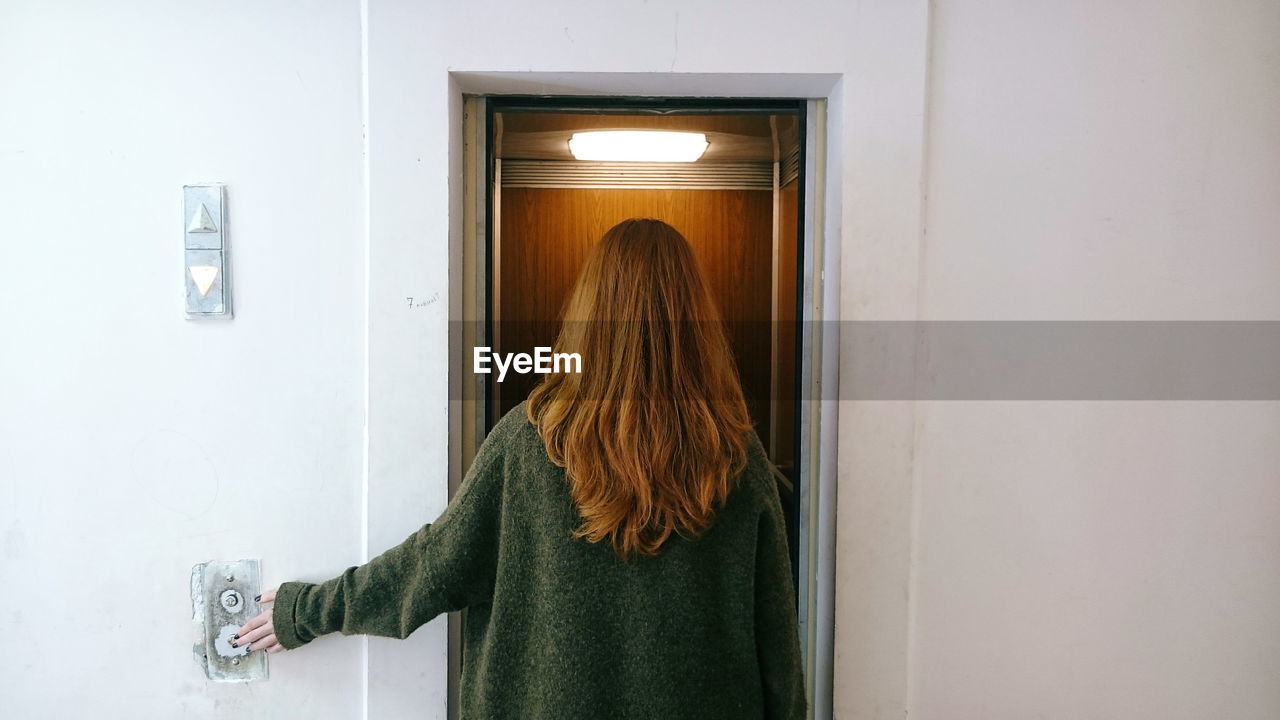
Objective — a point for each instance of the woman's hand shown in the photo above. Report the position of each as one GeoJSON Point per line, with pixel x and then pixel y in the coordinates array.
{"type": "Point", "coordinates": [259, 633]}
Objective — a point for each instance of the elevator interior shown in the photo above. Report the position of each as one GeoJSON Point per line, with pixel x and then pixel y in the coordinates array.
{"type": "Point", "coordinates": [738, 205]}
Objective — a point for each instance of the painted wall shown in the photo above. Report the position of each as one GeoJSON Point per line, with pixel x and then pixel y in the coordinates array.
{"type": "Point", "coordinates": [994, 560]}
{"type": "Point", "coordinates": [1100, 559]}
{"type": "Point", "coordinates": [134, 443]}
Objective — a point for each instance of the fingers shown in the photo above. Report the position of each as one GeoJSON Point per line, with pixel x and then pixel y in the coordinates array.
{"type": "Point", "coordinates": [268, 596]}
{"type": "Point", "coordinates": [262, 618]}
{"type": "Point", "coordinates": [254, 635]}
{"type": "Point", "coordinates": [269, 643]}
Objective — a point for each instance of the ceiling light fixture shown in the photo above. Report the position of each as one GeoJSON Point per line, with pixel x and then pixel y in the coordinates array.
{"type": "Point", "coordinates": [638, 145]}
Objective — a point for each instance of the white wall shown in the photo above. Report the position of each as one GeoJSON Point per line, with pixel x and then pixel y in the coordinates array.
{"type": "Point", "coordinates": [134, 443]}
{"type": "Point", "coordinates": [1100, 559]}
{"type": "Point", "coordinates": [995, 560]}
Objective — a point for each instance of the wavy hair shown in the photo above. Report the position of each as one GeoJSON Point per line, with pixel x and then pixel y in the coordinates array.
{"type": "Point", "coordinates": [653, 433]}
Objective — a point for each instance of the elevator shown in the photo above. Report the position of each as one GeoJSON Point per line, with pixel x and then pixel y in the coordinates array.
{"type": "Point", "coordinates": [752, 207]}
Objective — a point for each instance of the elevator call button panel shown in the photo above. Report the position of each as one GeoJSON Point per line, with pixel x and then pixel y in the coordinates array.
{"type": "Point", "coordinates": [222, 599]}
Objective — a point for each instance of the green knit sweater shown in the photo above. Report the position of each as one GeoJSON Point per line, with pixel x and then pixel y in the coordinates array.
{"type": "Point", "coordinates": [559, 627]}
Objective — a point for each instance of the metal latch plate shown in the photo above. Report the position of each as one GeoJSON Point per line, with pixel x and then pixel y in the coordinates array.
{"type": "Point", "coordinates": [222, 599]}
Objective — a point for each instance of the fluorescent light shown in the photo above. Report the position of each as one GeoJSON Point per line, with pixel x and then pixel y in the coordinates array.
{"type": "Point", "coordinates": [638, 145]}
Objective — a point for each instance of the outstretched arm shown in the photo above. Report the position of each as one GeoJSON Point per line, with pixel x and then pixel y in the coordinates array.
{"type": "Point", "coordinates": [443, 566]}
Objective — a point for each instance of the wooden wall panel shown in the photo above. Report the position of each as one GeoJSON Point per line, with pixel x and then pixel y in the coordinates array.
{"type": "Point", "coordinates": [545, 236]}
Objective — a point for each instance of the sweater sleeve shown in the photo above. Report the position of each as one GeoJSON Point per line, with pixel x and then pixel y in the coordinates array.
{"type": "Point", "coordinates": [443, 566]}
{"type": "Point", "coordinates": [776, 626]}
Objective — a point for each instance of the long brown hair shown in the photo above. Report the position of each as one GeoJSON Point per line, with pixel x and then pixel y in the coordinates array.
{"type": "Point", "coordinates": [654, 431]}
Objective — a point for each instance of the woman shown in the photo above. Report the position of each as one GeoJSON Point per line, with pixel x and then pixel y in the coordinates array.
{"type": "Point", "coordinates": [618, 541]}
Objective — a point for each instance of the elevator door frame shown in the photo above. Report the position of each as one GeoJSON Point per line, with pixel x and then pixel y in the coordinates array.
{"type": "Point", "coordinates": [814, 449]}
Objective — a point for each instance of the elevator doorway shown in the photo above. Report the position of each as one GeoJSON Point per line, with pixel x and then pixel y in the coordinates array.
{"type": "Point", "coordinates": [737, 204]}
{"type": "Point", "coordinates": [752, 208]}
